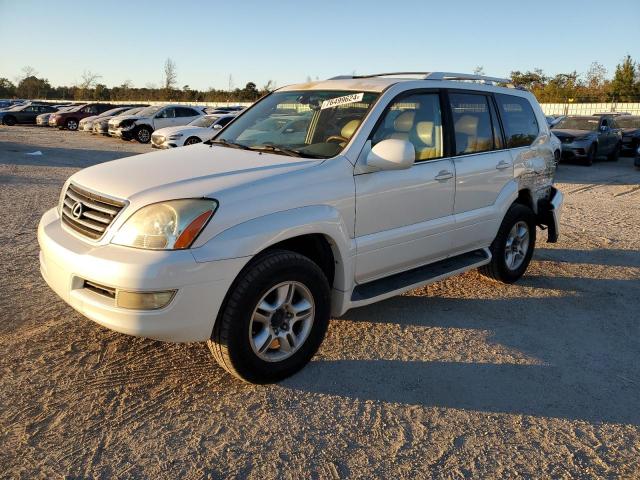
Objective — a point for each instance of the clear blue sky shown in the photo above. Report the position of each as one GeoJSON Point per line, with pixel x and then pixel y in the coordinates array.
{"type": "Point", "coordinates": [286, 41]}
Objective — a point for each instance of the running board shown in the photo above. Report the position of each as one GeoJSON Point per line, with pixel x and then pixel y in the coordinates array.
{"type": "Point", "coordinates": [392, 285]}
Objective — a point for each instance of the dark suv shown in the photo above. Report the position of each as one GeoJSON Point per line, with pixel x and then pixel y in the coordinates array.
{"type": "Point", "coordinates": [71, 119]}
{"type": "Point", "coordinates": [25, 114]}
{"type": "Point", "coordinates": [587, 137]}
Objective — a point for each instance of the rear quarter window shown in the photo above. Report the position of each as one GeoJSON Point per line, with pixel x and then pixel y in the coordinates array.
{"type": "Point", "coordinates": [520, 124]}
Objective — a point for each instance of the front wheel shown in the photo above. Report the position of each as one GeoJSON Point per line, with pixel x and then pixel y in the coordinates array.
{"type": "Point", "coordinates": [143, 135]}
{"type": "Point", "coordinates": [71, 124]}
{"type": "Point", "coordinates": [513, 246]}
{"type": "Point", "coordinates": [9, 120]}
{"type": "Point", "coordinates": [274, 318]}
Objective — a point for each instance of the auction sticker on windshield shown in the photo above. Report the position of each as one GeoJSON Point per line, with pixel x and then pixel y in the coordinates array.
{"type": "Point", "coordinates": [334, 102]}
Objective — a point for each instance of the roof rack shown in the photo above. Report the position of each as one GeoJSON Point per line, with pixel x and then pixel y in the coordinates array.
{"type": "Point", "coordinates": [436, 76]}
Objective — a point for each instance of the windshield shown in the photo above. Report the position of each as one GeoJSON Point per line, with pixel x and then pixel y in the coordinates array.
{"type": "Point", "coordinates": [108, 113]}
{"type": "Point", "coordinates": [206, 121]}
{"type": "Point", "coordinates": [132, 111]}
{"type": "Point", "coordinates": [310, 123]}
{"type": "Point", "coordinates": [627, 121]}
{"type": "Point", "coordinates": [578, 123]}
{"type": "Point", "coordinates": [148, 111]}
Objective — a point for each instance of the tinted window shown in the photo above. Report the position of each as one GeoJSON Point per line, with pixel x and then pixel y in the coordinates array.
{"type": "Point", "coordinates": [417, 119]}
{"type": "Point", "coordinates": [167, 113]}
{"type": "Point", "coordinates": [223, 121]}
{"type": "Point", "coordinates": [471, 123]}
{"type": "Point", "coordinates": [90, 109]}
{"type": "Point", "coordinates": [520, 124]}
{"type": "Point", "coordinates": [186, 112]}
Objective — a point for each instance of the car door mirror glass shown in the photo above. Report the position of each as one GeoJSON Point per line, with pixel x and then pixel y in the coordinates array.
{"type": "Point", "coordinates": [392, 154]}
{"type": "Point", "coordinates": [217, 126]}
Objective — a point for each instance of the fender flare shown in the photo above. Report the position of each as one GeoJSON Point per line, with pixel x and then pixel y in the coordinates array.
{"type": "Point", "coordinates": [253, 236]}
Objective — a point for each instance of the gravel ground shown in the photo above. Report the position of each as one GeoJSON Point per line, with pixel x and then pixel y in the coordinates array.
{"type": "Point", "coordinates": [464, 378]}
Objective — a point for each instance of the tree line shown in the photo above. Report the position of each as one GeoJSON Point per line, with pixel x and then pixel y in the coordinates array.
{"type": "Point", "coordinates": [592, 87]}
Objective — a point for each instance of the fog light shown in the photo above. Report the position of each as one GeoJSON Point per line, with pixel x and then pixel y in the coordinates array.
{"type": "Point", "coordinates": [144, 300]}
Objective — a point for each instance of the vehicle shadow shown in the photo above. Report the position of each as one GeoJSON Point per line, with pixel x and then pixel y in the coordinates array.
{"type": "Point", "coordinates": [600, 256]}
{"type": "Point", "coordinates": [583, 342]}
{"type": "Point", "coordinates": [12, 153]}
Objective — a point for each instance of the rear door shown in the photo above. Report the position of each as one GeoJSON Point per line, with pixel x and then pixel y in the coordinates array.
{"type": "Point", "coordinates": [186, 115]}
{"type": "Point", "coordinates": [164, 118]}
{"type": "Point", "coordinates": [482, 163]}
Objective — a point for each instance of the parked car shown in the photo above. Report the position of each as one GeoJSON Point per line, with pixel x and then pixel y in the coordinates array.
{"type": "Point", "coordinates": [86, 124]}
{"type": "Point", "coordinates": [200, 130]}
{"type": "Point", "coordinates": [101, 125]}
{"type": "Point", "coordinates": [399, 182]}
{"type": "Point", "coordinates": [42, 120]}
{"type": "Point", "coordinates": [630, 125]}
{"type": "Point", "coordinates": [71, 119]}
{"type": "Point", "coordinates": [220, 110]}
{"type": "Point", "coordinates": [145, 122]}
{"type": "Point", "coordinates": [587, 137]}
{"type": "Point", "coordinates": [24, 114]}
{"type": "Point", "coordinates": [611, 114]}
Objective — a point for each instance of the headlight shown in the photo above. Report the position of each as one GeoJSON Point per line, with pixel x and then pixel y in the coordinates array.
{"type": "Point", "coordinates": [175, 137]}
{"type": "Point", "coordinates": [172, 225]}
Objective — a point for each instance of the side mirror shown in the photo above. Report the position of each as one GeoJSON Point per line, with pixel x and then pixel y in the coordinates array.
{"type": "Point", "coordinates": [217, 126]}
{"type": "Point", "coordinates": [392, 154]}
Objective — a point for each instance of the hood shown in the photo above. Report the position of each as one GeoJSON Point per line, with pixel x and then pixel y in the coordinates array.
{"type": "Point", "coordinates": [120, 118]}
{"type": "Point", "coordinates": [197, 171]}
{"type": "Point", "coordinates": [88, 119]}
{"type": "Point", "coordinates": [184, 129]}
{"type": "Point", "coordinates": [631, 131]}
{"type": "Point", "coordinates": [566, 132]}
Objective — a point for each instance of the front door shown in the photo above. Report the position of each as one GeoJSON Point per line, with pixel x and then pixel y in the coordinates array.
{"type": "Point", "coordinates": [404, 218]}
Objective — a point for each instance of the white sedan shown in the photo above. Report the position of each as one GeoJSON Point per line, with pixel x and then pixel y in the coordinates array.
{"type": "Point", "coordinates": [200, 130]}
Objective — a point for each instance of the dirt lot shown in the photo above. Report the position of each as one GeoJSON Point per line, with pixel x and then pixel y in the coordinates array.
{"type": "Point", "coordinates": [465, 378]}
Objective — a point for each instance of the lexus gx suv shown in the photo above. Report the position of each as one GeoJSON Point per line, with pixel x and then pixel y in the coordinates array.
{"type": "Point", "coordinates": [253, 240]}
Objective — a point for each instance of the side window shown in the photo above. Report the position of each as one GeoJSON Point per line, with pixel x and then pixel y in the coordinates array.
{"type": "Point", "coordinates": [30, 109]}
{"type": "Point", "coordinates": [167, 113]}
{"type": "Point", "coordinates": [90, 109]}
{"type": "Point", "coordinates": [186, 112]}
{"type": "Point", "coordinates": [605, 123]}
{"type": "Point", "coordinates": [223, 121]}
{"type": "Point", "coordinates": [471, 123]}
{"type": "Point", "coordinates": [416, 118]}
{"type": "Point", "coordinates": [520, 124]}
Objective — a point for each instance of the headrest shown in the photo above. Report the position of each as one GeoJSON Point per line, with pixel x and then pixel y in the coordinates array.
{"type": "Point", "coordinates": [424, 131]}
{"type": "Point", "coordinates": [404, 122]}
{"type": "Point", "coordinates": [349, 128]}
{"type": "Point", "coordinates": [467, 124]}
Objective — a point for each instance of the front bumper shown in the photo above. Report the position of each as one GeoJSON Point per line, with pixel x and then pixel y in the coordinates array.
{"type": "Point", "coordinates": [575, 150]}
{"type": "Point", "coordinates": [66, 262]}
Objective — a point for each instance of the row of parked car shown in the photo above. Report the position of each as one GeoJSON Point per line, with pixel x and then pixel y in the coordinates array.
{"type": "Point", "coordinates": [165, 126]}
{"type": "Point", "coordinates": [587, 137]}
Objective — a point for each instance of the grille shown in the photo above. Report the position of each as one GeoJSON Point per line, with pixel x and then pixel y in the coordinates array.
{"type": "Point", "coordinates": [100, 289]}
{"type": "Point", "coordinates": [567, 139]}
{"type": "Point", "coordinates": [88, 213]}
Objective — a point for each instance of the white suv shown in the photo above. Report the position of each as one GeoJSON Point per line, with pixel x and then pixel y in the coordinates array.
{"type": "Point", "coordinates": [252, 241]}
{"type": "Point", "coordinates": [141, 125]}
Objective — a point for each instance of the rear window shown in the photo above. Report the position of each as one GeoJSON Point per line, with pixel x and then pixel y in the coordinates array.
{"type": "Point", "coordinates": [520, 124]}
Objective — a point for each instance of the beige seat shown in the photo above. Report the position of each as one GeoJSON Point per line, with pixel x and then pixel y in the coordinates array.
{"type": "Point", "coordinates": [349, 128]}
{"type": "Point", "coordinates": [430, 136]}
{"type": "Point", "coordinates": [403, 125]}
{"type": "Point", "coordinates": [466, 128]}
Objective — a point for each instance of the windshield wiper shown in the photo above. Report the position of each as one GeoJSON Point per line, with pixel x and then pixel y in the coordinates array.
{"type": "Point", "coordinates": [272, 148]}
{"type": "Point", "coordinates": [226, 143]}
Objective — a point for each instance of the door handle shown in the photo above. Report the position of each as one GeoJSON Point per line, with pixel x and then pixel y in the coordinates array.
{"type": "Point", "coordinates": [502, 165]}
{"type": "Point", "coordinates": [444, 175]}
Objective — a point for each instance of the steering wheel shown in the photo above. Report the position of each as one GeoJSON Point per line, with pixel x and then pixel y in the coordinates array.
{"type": "Point", "coordinates": [337, 139]}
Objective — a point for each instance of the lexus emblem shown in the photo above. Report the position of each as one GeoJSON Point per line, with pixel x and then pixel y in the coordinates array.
{"type": "Point", "coordinates": [76, 211]}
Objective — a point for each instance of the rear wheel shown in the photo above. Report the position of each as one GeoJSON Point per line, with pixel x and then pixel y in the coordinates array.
{"type": "Point", "coordinates": [192, 141]}
{"type": "Point", "coordinates": [9, 120]}
{"type": "Point", "coordinates": [274, 318]}
{"type": "Point", "coordinates": [143, 134]}
{"type": "Point", "coordinates": [615, 154]}
{"type": "Point", "coordinates": [513, 246]}
{"type": "Point", "coordinates": [71, 124]}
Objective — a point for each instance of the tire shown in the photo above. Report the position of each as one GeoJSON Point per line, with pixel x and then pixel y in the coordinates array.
{"type": "Point", "coordinates": [143, 134]}
{"type": "Point", "coordinates": [591, 155]}
{"type": "Point", "coordinates": [9, 120]}
{"type": "Point", "coordinates": [242, 341]}
{"type": "Point", "coordinates": [192, 141]}
{"type": "Point", "coordinates": [71, 124]}
{"type": "Point", "coordinates": [518, 216]}
{"type": "Point", "coordinates": [615, 154]}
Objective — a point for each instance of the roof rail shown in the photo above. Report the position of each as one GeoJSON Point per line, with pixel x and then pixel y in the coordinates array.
{"type": "Point", "coordinates": [436, 76]}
